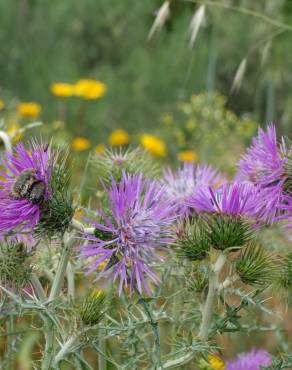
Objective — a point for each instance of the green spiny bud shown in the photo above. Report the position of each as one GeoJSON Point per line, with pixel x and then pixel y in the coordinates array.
{"type": "Point", "coordinates": [198, 279]}
{"type": "Point", "coordinates": [228, 231]}
{"type": "Point", "coordinates": [286, 272]}
{"type": "Point", "coordinates": [255, 266]}
{"type": "Point", "coordinates": [112, 163]}
{"type": "Point", "coordinates": [14, 264]}
{"type": "Point", "coordinates": [93, 307]}
{"type": "Point", "coordinates": [57, 211]}
{"type": "Point", "coordinates": [193, 240]}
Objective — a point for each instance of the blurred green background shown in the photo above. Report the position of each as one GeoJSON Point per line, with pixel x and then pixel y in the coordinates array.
{"type": "Point", "coordinates": [150, 82]}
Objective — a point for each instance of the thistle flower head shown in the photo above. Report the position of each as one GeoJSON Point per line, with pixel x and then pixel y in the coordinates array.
{"type": "Point", "coordinates": [236, 199]}
{"type": "Point", "coordinates": [25, 185]}
{"type": "Point", "coordinates": [181, 185]}
{"type": "Point", "coordinates": [226, 211]}
{"type": "Point", "coordinates": [128, 239]}
{"type": "Point", "coordinates": [252, 360]}
{"type": "Point", "coordinates": [265, 165]}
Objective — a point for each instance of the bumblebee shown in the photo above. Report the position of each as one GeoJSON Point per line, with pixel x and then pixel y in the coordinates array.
{"type": "Point", "coordinates": [27, 186]}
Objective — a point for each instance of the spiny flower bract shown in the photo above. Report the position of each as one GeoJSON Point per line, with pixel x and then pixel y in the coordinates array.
{"type": "Point", "coordinates": [227, 211]}
{"type": "Point", "coordinates": [129, 238]}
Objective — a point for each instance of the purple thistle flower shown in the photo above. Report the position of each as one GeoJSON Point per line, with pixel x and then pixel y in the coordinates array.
{"type": "Point", "coordinates": [264, 165]}
{"type": "Point", "coordinates": [252, 360]}
{"type": "Point", "coordinates": [230, 199]}
{"type": "Point", "coordinates": [24, 169]}
{"type": "Point", "coordinates": [181, 185]}
{"type": "Point", "coordinates": [128, 240]}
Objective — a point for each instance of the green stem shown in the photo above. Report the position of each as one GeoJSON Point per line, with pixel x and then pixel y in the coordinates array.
{"type": "Point", "coordinates": [71, 280]}
{"type": "Point", "coordinates": [101, 358]}
{"type": "Point", "coordinates": [49, 351]}
{"type": "Point", "coordinates": [208, 307]}
{"type": "Point", "coordinates": [154, 325]}
{"type": "Point", "coordinates": [38, 287]}
{"type": "Point", "coordinates": [61, 270]}
{"type": "Point", "coordinates": [10, 341]}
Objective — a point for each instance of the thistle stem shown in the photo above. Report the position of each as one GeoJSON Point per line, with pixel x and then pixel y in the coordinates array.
{"type": "Point", "coordinates": [101, 358]}
{"type": "Point", "coordinates": [70, 279]}
{"type": "Point", "coordinates": [208, 307]}
{"type": "Point", "coordinates": [50, 344]}
{"type": "Point", "coordinates": [77, 225]}
{"type": "Point", "coordinates": [61, 270]}
{"type": "Point", "coordinates": [154, 325]}
{"type": "Point", "coordinates": [38, 287]}
{"type": "Point", "coordinates": [66, 348]}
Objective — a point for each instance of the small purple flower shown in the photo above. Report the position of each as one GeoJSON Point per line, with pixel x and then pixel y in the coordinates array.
{"type": "Point", "coordinates": [24, 186]}
{"type": "Point", "coordinates": [231, 199]}
{"type": "Point", "coordinates": [264, 166]}
{"type": "Point", "coordinates": [128, 240]}
{"type": "Point", "coordinates": [252, 360]}
{"type": "Point", "coordinates": [181, 185]}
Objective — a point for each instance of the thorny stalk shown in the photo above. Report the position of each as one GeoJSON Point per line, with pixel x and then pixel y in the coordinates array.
{"type": "Point", "coordinates": [208, 307]}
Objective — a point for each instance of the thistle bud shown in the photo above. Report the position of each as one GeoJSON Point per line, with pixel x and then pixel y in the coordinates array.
{"type": "Point", "coordinates": [57, 212]}
{"type": "Point", "coordinates": [228, 231]}
{"type": "Point", "coordinates": [255, 266]}
{"type": "Point", "coordinates": [15, 266]}
{"type": "Point", "coordinates": [285, 276]}
{"type": "Point", "coordinates": [198, 279]}
{"type": "Point", "coordinates": [111, 164]}
{"type": "Point", "coordinates": [193, 240]}
{"type": "Point", "coordinates": [93, 307]}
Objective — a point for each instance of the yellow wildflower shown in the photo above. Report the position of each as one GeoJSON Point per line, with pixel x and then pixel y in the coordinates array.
{"type": "Point", "coordinates": [100, 148]}
{"type": "Point", "coordinates": [13, 131]}
{"type": "Point", "coordinates": [216, 363]}
{"type": "Point", "coordinates": [2, 104]}
{"type": "Point", "coordinates": [118, 138]}
{"type": "Point", "coordinates": [80, 143]}
{"type": "Point", "coordinates": [62, 89]}
{"type": "Point", "coordinates": [28, 109]}
{"type": "Point", "coordinates": [89, 89]}
{"type": "Point", "coordinates": [188, 156]}
{"type": "Point", "coordinates": [154, 145]}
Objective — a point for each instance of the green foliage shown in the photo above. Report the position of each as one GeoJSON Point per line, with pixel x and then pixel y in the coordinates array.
{"type": "Point", "coordinates": [279, 363]}
{"type": "Point", "coordinates": [228, 231]}
{"type": "Point", "coordinates": [15, 266]}
{"type": "Point", "coordinates": [93, 308]}
{"type": "Point", "coordinates": [193, 240]}
{"type": "Point", "coordinates": [255, 266]}
{"type": "Point", "coordinates": [57, 211]}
